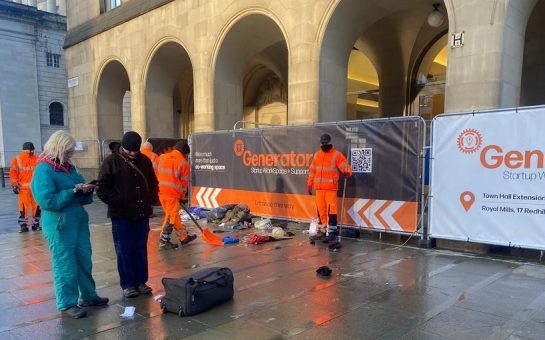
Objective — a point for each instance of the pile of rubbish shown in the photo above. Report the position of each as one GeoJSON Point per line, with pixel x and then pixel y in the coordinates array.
{"type": "Point", "coordinates": [230, 217]}
{"type": "Point", "coordinates": [233, 217]}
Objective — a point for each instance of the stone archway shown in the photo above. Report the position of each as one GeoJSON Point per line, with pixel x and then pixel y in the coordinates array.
{"type": "Point", "coordinates": [169, 92]}
{"type": "Point", "coordinates": [250, 74]}
{"type": "Point", "coordinates": [112, 88]}
{"type": "Point", "coordinates": [391, 36]}
{"type": "Point", "coordinates": [533, 66]}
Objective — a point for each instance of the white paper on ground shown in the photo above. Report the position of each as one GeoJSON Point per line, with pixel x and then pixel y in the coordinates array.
{"type": "Point", "coordinates": [129, 312]}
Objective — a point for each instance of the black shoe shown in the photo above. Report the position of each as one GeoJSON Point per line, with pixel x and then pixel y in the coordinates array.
{"type": "Point", "coordinates": [23, 230]}
{"type": "Point", "coordinates": [98, 301]}
{"type": "Point", "coordinates": [332, 237]}
{"type": "Point", "coordinates": [317, 237]}
{"type": "Point", "coordinates": [130, 292]}
{"type": "Point", "coordinates": [75, 312]}
{"type": "Point", "coordinates": [167, 245]}
{"type": "Point", "coordinates": [188, 239]}
{"type": "Point", "coordinates": [36, 228]}
{"type": "Point", "coordinates": [144, 289]}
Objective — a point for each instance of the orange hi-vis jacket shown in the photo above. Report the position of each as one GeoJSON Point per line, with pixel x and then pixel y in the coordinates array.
{"type": "Point", "coordinates": [152, 157]}
{"type": "Point", "coordinates": [324, 169]}
{"type": "Point", "coordinates": [22, 169]}
{"type": "Point", "coordinates": [173, 174]}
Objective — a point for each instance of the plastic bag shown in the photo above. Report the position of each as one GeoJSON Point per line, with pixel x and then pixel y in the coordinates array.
{"type": "Point", "coordinates": [314, 227]}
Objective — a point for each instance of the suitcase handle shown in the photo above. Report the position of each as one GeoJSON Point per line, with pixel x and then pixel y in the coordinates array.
{"type": "Point", "coordinates": [219, 280]}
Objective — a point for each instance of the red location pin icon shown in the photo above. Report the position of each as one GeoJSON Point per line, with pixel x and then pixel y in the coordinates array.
{"type": "Point", "coordinates": [467, 198]}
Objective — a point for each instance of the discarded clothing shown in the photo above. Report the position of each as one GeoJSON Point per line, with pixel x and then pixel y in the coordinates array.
{"type": "Point", "coordinates": [229, 213]}
{"type": "Point", "coordinates": [228, 240]}
{"type": "Point", "coordinates": [257, 239]}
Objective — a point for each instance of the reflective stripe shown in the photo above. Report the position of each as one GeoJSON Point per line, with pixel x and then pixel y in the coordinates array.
{"type": "Point", "coordinates": [19, 162]}
{"type": "Point", "coordinates": [179, 171]}
{"type": "Point", "coordinates": [325, 180]}
{"type": "Point", "coordinates": [326, 168]}
{"type": "Point", "coordinates": [24, 184]}
{"type": "Point", "coordinates": [334, 159]}
{"type": "Point", "coordinates": [172, 185]}
{"type": "Point", "coordinates": [166, 171]}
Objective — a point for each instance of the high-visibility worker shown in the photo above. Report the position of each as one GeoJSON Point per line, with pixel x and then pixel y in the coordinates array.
{"type": "Point", "coordinates": [173, 176]}
{"type": "Point", "coordinates": [324, 172]}
{"type": "Point", "coordinates": [20, 174]}
{"type": "Point", "coordinates": [147, 149]}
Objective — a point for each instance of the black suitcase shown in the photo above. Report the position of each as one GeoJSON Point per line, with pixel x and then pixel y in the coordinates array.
{"type": "Point", "coordinates": [195, 293]}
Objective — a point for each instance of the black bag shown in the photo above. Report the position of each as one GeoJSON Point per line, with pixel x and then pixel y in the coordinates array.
{"type": "Point", "coordinates": [197, 292]}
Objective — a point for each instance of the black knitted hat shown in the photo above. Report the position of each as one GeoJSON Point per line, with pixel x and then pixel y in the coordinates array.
{"type": "Point", "coordinates": [131, 141]}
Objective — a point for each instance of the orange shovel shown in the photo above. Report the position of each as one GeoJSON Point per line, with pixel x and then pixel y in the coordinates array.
{"type": "Point", "coordinates": [207, 235]}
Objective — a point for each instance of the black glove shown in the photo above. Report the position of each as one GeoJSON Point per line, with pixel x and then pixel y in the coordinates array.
{"type": "Point", "coordinates": [15, 190]}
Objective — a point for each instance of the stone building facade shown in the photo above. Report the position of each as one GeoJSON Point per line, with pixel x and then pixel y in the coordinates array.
{"type": "Point", "coordinates": [33, 91]}
{"type": "Point", "coordinates": [203, 65]}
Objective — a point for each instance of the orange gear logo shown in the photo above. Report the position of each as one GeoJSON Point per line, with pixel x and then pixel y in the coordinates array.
{"type": "Point", "coordinates": [238, 147]}
{"type": "Point", "coordinates": [469, 141]}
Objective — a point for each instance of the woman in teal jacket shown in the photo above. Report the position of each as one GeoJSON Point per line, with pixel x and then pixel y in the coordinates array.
{"type": "Point", "coordinates": [60, 190]}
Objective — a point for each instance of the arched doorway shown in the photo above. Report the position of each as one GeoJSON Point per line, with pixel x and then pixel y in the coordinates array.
{"type": "Point", "coordinates": [392, 37]}
{"type": "Point", "coordinates": [427, 92]}
{"type": "Point", "coordinates": [362, 97]}
{"type": "Point", "coordinates": [169, 93]}
{"type": "Point", "coordinates": [251, 72]}
{"type": "Point", "coordinates": [533, 66]}
{"type": "Point", "coordinates": [113, 87]}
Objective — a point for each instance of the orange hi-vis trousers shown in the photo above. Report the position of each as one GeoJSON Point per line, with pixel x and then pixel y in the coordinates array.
{"type": "Point", "coordinates": [326, 203]}
{"type": "Point", "coordinates": [28, 208]}
{"type": "Point", "coordinates": [171, 207]}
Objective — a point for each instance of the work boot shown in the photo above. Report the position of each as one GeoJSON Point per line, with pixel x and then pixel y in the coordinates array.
{"type": "Point", "coordinates": [130, 292]}
{"type": "Point", "coordinates": [331, 237]}
{"type": "Point", "coordinates": [317, 237]}
{"type": "Point", "coordinates": [36, 227]}
{"type": "Point", "coordinates": [75, 312]}
{"type": "Point", "coordinates": [144, 289]}
{"type": "Point", "coordinates": [98, 301]}
{"type": "Point", "coordinates": [24, 229]}
{"type": "Point", "coordinates": [188, 239]}
{"type": "Point", "coordinates": [166, 245]}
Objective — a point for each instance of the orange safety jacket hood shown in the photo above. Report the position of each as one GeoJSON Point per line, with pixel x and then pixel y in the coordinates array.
{"type": "Point", "coordinates": [324, 169]}
{"type": "Point", "coordinates": [152, 157]}
{"type": "Point", "coordinates": [22, 169]}
{"type": "Point", "coordinates": [173, 174]}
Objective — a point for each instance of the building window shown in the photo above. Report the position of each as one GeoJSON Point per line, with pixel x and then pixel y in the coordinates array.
{"type": "Point", "coordinates": [106, 5]}
{"type": "Point", "coordinates": [53, 60]}
{"type": "Point", "coordinates": [56, 114]}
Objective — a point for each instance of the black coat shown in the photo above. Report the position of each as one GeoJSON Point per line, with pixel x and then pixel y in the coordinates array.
{"type": "Point", "coordinates": [124, 190]}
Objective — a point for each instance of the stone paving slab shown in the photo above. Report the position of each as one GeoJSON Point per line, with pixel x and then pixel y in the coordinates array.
{"type": "Point", "coordinates": [377, 291]}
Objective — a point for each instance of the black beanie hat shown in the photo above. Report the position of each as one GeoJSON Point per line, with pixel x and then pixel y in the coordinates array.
{"type": "Point", "coordinates": [182, 147]}
{"type": "Point", "coordinates": [28, 146]}
{"type": "Point", "coordinates": [325, 138]}
{"type": "Point", "coordinates": [131, 141]}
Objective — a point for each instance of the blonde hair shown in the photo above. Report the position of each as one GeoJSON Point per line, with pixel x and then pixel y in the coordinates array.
{"type": "Point", "coordinates": [59, 144]}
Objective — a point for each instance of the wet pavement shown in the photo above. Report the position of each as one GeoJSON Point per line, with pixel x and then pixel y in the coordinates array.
{"type": "Point", "coordinates": [376, 291]}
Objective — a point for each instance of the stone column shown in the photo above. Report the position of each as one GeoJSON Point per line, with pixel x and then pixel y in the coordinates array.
{"type": "Point", "coordinates": [51, 6]}
{"type": "Point", "coordinates": [62, 7]}
{"type": "Point", "coordinates": [138, 110]}
{"type": "Point", "coordinates": [204, 99]}
{"type": "Point", "coordinates": [486, 71]}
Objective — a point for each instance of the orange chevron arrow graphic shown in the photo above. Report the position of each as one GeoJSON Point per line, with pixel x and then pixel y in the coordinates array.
{"type": "Point", "coordinates": [379, 211]}
{"type": "Point", "coordinates": [362, 212]}
{"type": "Point", "coordinates": [406, 216]}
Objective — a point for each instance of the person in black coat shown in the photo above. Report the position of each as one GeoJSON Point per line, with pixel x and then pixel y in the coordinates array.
{"type": "Point", "coordinates": [128, 185]}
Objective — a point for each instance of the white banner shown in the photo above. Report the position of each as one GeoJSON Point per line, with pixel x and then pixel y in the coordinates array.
{"type": "Point", "coordinates": [488, 178]}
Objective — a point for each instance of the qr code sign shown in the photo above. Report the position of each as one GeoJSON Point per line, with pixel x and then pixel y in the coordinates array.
{"type": "Point", "coordinates": [362, 160]}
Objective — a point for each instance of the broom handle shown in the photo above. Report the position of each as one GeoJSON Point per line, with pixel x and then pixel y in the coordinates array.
{"type": "Point", "coordinates": [190, 216]}
{"type": "Point", "coordinates": [342, 209]}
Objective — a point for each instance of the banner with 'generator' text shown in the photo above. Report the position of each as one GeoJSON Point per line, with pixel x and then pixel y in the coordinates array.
{"type": "Point", "coordinates": [488, 178]}
{"type": "Point", "coordinates": [267, 169]}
